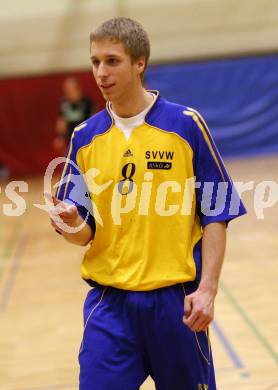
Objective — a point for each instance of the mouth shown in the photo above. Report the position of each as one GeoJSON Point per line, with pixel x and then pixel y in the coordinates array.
{"type": "Point", "coordinates": [106, 87]}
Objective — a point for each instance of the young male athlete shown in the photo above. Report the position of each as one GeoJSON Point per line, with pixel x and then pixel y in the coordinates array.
{"type": "Point", "coordinates": [156, 198]}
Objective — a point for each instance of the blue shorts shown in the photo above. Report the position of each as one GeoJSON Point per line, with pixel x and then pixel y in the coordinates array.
{"type": "Point", "coordinates": [130, 335]}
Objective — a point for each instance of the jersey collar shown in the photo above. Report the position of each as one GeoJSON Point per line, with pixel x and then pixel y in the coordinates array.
{"type": "Point", "coordinates": [151, 109]}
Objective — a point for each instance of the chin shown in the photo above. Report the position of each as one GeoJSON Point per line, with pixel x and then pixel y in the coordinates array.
{"type": "Point", "coordinates": [107, 96]}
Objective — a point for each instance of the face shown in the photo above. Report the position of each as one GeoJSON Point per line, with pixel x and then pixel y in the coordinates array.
{"type": "Point", "coordinates": [72, 90]}
{"type": "Point", "coordinates": [114, 72]}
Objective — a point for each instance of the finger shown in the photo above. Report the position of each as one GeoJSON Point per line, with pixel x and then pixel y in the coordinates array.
{"type": "Point", "coordinates": [70, 212]}
{"type": "Point", "coordinates": [202, 322]}
{"type": "Point", "coordinates": [52, 199]}
{"type": "Point", "coordinates": [48, 196]}
{"type": "Point", "coordinates": [199, 324]}
{"type": "Point", "coordinates": [59, 220]}
{"type": "Point", "coordinates": [189, 321]}
{"type": "Point", "coordinates": [203, 327]}
{"type": "Point", "coordinates": [55, 214]}
{"type": "Point", "coordinates": [58, 210]}
{"type": "Point", "coordinates": [68, 218]}
{"type": "Point", "coordinates": [56, 227]}
{"type": "Point", "coordinates": [188, 304]}
{"type": "Point", "coordinates": [65, 219]}
{"type": "Point", "coordinates": [61, 226]}
{"type": "Point", "coordinates": [55, 222]}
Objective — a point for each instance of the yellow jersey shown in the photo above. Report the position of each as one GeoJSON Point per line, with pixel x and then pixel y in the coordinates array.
{"type": "Point", "coordinates": [147, 198]}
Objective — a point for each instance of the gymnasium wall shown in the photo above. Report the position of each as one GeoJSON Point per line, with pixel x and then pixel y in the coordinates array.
{"type": "Point", "coordinates": [238, 98]}
{"type": "Point", "coordinates": [51, 36]}
{"type": "Point", "coordinates": [29, 108]}
{"type": "Point", "coordinates": [43, 42]}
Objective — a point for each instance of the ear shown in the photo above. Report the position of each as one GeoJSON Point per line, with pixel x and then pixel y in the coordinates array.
{"type": "Point", "coordinates": [141, 63]}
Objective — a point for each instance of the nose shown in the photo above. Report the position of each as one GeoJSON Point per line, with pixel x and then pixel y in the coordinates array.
{"type": "Point", "coordinates": [102, 70]}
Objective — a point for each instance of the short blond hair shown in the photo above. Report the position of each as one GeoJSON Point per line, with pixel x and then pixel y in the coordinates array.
{"type": "Point", "coordinates": [127, 31]}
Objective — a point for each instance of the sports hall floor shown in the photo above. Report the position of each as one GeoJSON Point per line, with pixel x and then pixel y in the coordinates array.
{"type": "Point", "coordinates": [41, 297]}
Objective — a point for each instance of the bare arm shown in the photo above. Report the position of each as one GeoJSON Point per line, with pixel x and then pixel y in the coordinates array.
{"type": "Point", "coordinates": [199, 306]}
{"type": "Point", "coordinates": [70, 218]}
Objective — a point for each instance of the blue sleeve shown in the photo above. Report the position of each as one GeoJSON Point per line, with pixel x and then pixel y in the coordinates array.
{"type": "Point", "coordinates": [216, 195]}
{"type": "Point", "coordinates": [72, 186]}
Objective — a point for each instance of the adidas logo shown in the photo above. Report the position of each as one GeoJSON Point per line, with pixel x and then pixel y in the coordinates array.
{"type": "Point", "coordinates": [128, 153]}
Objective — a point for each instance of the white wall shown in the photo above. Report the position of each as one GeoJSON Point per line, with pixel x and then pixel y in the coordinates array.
{"type": "Point", "coordinates": [46, 36]}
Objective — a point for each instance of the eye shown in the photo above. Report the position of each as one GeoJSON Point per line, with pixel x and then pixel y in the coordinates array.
{"type": "Point", "coordinates": [112, 61]}
{"type": "Point", "coordinates": [95, 63]}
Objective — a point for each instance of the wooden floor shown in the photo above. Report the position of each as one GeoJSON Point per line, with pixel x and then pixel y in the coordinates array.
{"type": "Point", "coordinates": [41, 297]}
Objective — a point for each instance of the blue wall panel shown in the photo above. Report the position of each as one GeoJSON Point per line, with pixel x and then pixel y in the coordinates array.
{"type": "Point", "coordinates": [237, 97]}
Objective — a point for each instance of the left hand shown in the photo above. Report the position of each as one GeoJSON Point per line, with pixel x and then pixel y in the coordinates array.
{"type": "Point", "coordinates": [198, 310]}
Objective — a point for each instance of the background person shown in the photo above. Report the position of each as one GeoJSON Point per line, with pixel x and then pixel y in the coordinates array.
{"type": "Point", "coordinates": [75, 108]}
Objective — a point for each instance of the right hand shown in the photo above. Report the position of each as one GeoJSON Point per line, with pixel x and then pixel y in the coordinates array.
{"type": "Point", "coordinates": [67, 213]}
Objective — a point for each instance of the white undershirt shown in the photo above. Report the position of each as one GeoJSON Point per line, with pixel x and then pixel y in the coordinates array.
{"type": "Point", "coordinates": [126, 125]}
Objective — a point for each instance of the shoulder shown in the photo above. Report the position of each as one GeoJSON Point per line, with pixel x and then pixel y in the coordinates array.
{"type": "Point", "coordinates": [97, 124]}
{"type": "Point", "coordinates": [176, 118]}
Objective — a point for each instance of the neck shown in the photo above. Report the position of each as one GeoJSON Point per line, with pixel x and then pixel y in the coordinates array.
{"type": "Point", "coordinates": [132, 104]}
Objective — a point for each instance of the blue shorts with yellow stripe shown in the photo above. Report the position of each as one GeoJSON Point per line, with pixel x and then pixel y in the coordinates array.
{"type": "Point", "coordinates": [130, 335]}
